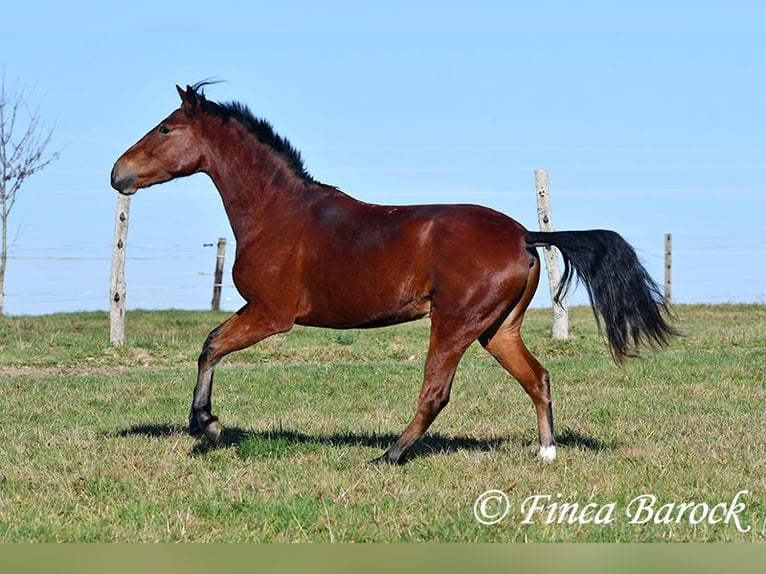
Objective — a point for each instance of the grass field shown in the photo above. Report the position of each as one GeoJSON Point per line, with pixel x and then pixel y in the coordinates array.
{"type": "Point", "coordinates": [92, 446]}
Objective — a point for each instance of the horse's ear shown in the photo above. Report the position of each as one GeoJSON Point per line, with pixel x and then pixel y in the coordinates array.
{"type": "Point", "coordinates": [189, 98]}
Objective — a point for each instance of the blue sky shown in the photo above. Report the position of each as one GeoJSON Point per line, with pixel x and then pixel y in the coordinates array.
{"type": "Point", "coordinates": [649, 117]}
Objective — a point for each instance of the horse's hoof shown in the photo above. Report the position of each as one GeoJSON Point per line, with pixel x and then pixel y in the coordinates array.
{"type": "Point", "coordinates": [386, 458]}
{"type": "Point", "coordinates": [213, 431]}
{"type": "Point", "coordinates": [547, 453]}
{"type": "Point", "coordinates": [193, 429]}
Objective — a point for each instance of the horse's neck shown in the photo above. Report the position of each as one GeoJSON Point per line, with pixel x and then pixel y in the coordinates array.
{"type": "Point", "coordinates": [254, 184]}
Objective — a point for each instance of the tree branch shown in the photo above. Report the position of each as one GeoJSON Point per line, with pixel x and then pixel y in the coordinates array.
{"type": "Point", "coordinates": [21, 156]}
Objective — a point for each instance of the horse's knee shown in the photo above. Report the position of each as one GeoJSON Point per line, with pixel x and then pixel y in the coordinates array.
{"type": "Point", "coordinates": [204, 357]}
{"type": "Point", "coordinates": [207, 355]}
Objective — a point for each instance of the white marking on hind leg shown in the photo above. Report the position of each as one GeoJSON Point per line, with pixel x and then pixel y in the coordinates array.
{"type": "Point", "coordinates": [547, 453]}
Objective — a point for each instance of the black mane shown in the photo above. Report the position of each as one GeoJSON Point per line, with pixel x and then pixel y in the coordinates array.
{"type": "Point", "coordinates": [259, 127]}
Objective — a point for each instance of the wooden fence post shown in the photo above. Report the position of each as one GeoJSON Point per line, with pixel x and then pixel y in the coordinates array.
{"type": "Point", "coordinates": [117, 283]}
{"type": "Point", "coordinates": [545, 219]}
{"type": "Point", "coordinates": [215, 304]}
{"type": "Point", "coordinates": [668, 265]}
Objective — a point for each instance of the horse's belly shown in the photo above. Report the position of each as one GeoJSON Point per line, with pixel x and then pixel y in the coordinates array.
{"type": "Point", "coordinates": [350, 310]}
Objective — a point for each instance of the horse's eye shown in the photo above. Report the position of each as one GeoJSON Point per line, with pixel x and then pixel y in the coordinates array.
{"type": "Point", "coordinates": [164, 130]}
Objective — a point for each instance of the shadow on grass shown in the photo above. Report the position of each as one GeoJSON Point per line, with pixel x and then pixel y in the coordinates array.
{"type": "Point", "coordinates": [150, 430]}
{"type": "Point", "coordinates": [570, 438]}
{"type": "Point", "coordinates": [279, 442]}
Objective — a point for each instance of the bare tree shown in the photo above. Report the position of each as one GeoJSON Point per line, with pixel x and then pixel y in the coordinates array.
{"type": "Point", "coordinates": [23, 143]}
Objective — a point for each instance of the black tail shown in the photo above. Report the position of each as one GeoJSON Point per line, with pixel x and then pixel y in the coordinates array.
{"type": "Point", "coordinates": [621, 291]}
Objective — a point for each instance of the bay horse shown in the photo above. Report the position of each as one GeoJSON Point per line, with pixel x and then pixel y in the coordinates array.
{"type": "Point", "coordinates": [308, 254]}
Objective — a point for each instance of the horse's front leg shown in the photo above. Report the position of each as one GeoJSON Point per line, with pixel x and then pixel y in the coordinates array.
{"type": "Point", "coordinates": [201, 419]}
{"type": "Point", "coordinates": [240, 331]}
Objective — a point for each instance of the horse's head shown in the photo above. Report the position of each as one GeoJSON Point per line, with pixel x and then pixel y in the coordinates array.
{"type": "Point", "coordinates": [168, 151]}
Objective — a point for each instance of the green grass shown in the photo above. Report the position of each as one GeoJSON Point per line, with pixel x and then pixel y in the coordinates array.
{"type": "Point", "coordinates": [92, 446]}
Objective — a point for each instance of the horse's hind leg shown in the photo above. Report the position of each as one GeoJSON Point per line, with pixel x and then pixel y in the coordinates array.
{"type": "Point", "coordinates": [240, 331]}
{"type": "Point", "coordinates": [444, 353]}
{"type": "Point", "coordinates": [505, 344]}
{"type": "Point", "coordinates": [509, 350]}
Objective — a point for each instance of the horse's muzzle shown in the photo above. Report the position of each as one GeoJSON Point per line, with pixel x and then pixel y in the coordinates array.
{"type": "Point", "coordinates": [124, 183]}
